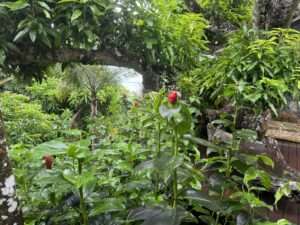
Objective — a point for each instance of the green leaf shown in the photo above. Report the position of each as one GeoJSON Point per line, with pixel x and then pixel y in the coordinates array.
{"type": "Point", "coordinates": [108, 205]}
{"type": "Point", "coordinates": [253, 174]}
{"type": "Point", "coordinates": [55, 147]}
{"type": "Point", "coordinates": [76, 14]}
{"type": "Point", "coordinates": [284, 190]}
{"type": "Point", "coordinates": [204, 200]}
{"type": "Point", "coordinates": [184, 121]}
{"type": "Point", "coordinates": [14, 6]}
{"type": "Point", "coordinates": [95, 10]}
{"type": "Point", "coordinates": [146, 165]}
{"type": "Point", "coordinates": [47, 14]}
{"type": "Point", "coordinates": [166, 162]}
{"type": "Point", "coordinates": [69, 1]}
{"type": "Point", "coordinates": [159, 215]}
{"type": "Point", "coordinates": [249, 198]}
{"type": "Point", "coordinates": [44, 5]}
{"type": "Point", "coordinates": [20, 34]}
{"type": "Point", "coordinates": [246, 135]}
{"type": "Point", "coordinates": [2, 57]}
{"type": "Point", "coordinates": [266, 160]}
{"type": "Point", "coordinates": [32, 35]}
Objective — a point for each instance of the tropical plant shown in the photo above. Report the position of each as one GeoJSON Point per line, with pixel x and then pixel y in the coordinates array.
{"type": "Point", "coordinates": [160, 34]}
{"type": "Point", "coordinates": [26, 122]}
{"type": "Point", "coordinates": [149, 166]}
{"type": "Point", "coordinates": [89, 79]}
{"type": "Point", "coordinates": [237, 12]}
{"type": "Point", "coordinates": [260, 71]}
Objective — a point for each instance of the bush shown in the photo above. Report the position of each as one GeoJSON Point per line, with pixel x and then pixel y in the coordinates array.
{"type": "Point", "coordinates": [25, 122]}
{"type": "Point", "coordinates": [260, 72]}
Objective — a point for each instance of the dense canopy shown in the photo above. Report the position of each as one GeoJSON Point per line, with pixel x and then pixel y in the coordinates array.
{"type": "Point", "coordinates": [149, 36]}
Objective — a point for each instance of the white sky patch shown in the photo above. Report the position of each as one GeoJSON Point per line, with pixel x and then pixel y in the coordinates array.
{"type": "Point", "coordinates": [128, 78]}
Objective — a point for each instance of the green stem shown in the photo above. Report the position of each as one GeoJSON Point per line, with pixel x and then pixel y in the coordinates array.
{"type": "Point", "coordinates": [235, 117]}
{"type": "Point", "coordinates": [175, 188]}
{"type": "Point", "coordinates": [83, 211]}
{"type": "Point", "coordinates": [175, 182]}
{"type": "Point", "coordinates": [159, 134]}
{"type": "Point", "coordinates": [229, 150]}
{"type": "Point", "coordinates": [218, 213]}
{"type": "Point", "coordinates": [228, 163]}
{"type": "Point", "coordinates": [157, 154]}
{"type": "Point", "coordinates": [218, 218]}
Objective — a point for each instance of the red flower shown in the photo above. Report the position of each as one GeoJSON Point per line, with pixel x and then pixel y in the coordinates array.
{"type": "Point", "coordinates": [173, 96]}
{"type": "Point", "coordinates": [48, 161]}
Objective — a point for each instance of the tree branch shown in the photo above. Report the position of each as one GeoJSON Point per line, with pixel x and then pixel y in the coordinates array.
{"type": "Point", "coordinates": [30, 56]}
{"type": "Point", "coordinates": [33, 57]}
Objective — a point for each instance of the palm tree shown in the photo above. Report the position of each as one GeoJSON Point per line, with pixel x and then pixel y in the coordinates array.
{"type": "Point", "coordinates": [89, 77]}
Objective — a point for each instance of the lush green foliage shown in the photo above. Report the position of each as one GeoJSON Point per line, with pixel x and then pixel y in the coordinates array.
{"type": "Point", "coordinates": [252, 71]}
{"type": "Point", "coordinates": [159, 32]}
{"type": "Point", "coordinates": [237, 12]}
{"type": "Point", "coordinates": [147, 161]}
{"type": "Point", "coordinates": [26, 122]}
{"type": "Point", "coordinates": [49, 94]}
{"type": "Point", "coordinates": [139, 161]}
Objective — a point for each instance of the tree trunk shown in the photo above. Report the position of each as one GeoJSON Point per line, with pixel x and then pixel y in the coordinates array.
{"type": "Point", "coordinates": [75, 118]}
{"type": "Point", "coordinates": [94, 106]}
{"type": "Point", "coordinates": [268, 14]}
{"type": "Point", "coordinates": [10, 212]}
{"type": "Point", "coordinates": [94, 113]}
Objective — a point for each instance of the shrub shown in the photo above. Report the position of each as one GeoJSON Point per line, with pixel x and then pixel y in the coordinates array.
{"type": "Point", "coordinates": [260, 71]}
{"type": "Point", "coordinates": [25, 122]}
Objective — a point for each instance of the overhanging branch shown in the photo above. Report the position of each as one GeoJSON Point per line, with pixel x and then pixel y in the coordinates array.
{"type": "Point", "coordinates": [30, 56]}
{"type": "Point", "coordinates": [33, 57]}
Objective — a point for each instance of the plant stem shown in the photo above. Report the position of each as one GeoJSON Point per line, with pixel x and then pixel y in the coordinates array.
{"type": "Point", "coordinates": [175, 183]}
{"type": "Point", "coordinates": [157, 154]}
{"type": "Point", "coordinates": [229, 150]}
{"type": "Point", "coordinates": [218, 218]}
{"type": "Point", "coordinates": [218, 213]}
{"type": "Point", "coordinates": [159, 134]}
{"type": "Point", "coordinates": [83, 211]}
{"type": "Point", "coordinates": [175, 188]}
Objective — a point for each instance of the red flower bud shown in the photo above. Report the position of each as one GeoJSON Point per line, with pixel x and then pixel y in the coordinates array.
{"type": "Point", "coordinates": [173, 96]}
{"type": "Point", "coordinates": [48, 161]}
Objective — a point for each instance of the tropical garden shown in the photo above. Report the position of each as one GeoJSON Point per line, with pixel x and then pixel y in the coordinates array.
{"type": "Point", "coordinates": [78, 148]}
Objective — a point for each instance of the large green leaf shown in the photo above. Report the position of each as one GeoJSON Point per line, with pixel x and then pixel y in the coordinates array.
{"type": "Point", "coordinates": [159, 215]}
{"type": "Point", "coordinates": [16, 5]}
{"type": "Point", "coordinates": [107, 205]}
{"type": "Point", "coordinates": [55, 147]}
{"type": "Point", "coordinates": [204, 200]}
{"type": "Point", "coordinates": [21, 34]}
{"type": "Point", "coordinates": [76, 14]}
